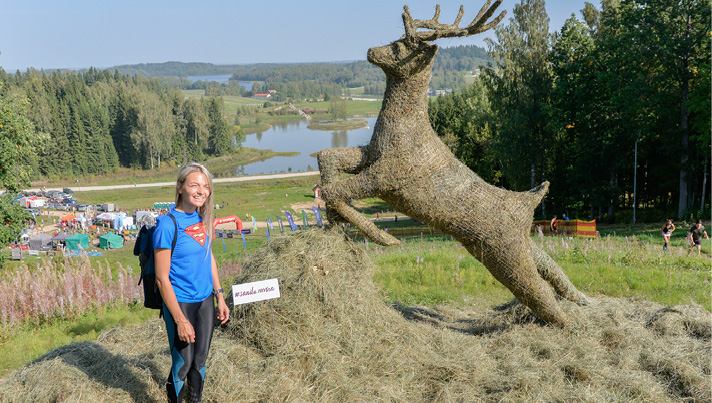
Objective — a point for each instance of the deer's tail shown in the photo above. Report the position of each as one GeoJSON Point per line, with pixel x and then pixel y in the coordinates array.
{"type": "Point", "coordinates": [538, 193]}
{"type": "Point", "coordinates": [526, 203]}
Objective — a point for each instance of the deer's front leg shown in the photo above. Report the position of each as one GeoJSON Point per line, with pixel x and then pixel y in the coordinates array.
{"type": "Point", "coordinates": [339, 194]}
{"type": "Point", "coordinates": [332, 163]}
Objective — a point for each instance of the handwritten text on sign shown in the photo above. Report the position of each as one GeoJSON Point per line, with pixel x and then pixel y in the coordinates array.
{"type": "Point", "coordinates": [255, 291]}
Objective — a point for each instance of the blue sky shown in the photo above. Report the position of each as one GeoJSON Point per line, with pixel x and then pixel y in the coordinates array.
{"type": "Point", "coordinates": [52, 34]}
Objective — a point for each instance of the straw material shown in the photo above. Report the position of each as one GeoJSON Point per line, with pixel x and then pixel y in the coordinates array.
{"type": "Point", "coordinates": [339, 342]}
{"type": "Point", "coordinates": [410, 168]}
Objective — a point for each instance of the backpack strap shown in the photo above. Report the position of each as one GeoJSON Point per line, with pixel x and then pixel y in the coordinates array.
{"type": "Point", "coordinates": [173, 248]}
{"type": "Point", "coordinates": [175, 234]}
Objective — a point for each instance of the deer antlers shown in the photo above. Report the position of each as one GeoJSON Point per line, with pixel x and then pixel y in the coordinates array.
{"type": "Point", "coordinates": [439, 30]}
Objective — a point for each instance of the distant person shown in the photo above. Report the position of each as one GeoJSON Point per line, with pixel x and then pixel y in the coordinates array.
{"type": "Point", "coordinates": [188, 280]}
{"type": "Point", "coordinates": [566, 218]}
{"type": "Point", "coordinates": [666, 233]}
{"type": "Point", "coordinates": [552, 225]}
{"type": "Point", "coordinates": [695, 237]}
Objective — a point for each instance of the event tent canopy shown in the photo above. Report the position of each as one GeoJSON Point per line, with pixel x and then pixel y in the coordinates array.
{"type": "Point", "coordinates": [78, 241]}
{"type": "Point", "coordinates": [111, 241]}
{"type": "Point", "coordinates": [61, 237]}
{"type": "Point", "coordinates": [39, 240]}
{"type": "Point", "coordinates": [68, 217]}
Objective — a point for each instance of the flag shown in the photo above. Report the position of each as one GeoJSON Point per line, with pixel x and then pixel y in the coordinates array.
{"type": "Point", "coordinates": [269, 221]}
{"type": "Point", "coordinates": [292, 225]}
{"type": "Point", "coordinates": [254, 225]}
{"type": "Point", "coordinates": [281, 228]}
{"type": "Point", "coordinates": [304, 218]}
{"type": "Point", "coordinates": [318, 217]}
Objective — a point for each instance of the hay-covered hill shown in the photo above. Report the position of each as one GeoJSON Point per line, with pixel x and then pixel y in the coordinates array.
{"type": "Point", "coordinates": [335, 340]}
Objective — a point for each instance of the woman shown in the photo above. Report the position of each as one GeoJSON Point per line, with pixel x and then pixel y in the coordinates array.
{"type": "Point", "coordinates": [188, 280]}
{"type": "Point", "coordinates": [667, 230]}
{"type": "Point", "coordinates": [552, 225]}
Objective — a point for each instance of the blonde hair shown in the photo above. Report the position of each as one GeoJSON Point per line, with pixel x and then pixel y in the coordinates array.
{"type": "Point", "coordinates": [206, 210]}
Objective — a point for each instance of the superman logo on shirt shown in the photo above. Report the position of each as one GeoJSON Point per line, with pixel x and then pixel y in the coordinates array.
{"type": "Point", "coordinates": [197, 232]}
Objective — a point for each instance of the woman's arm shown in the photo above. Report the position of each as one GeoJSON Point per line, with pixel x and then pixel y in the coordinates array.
{"type": "Point", "coordinates": [223, 311]}
{"type": "Point", "coordinates": [162, 257]}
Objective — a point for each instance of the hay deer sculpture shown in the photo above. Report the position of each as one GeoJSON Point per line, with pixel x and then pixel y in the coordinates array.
{"type": "Point", "coordinates": [410, 168]}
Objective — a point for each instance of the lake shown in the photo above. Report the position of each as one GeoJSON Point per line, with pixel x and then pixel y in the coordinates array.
{"type": "Point", "coordinates": [223, 79]}
{"type": "Point", "coordinates": [294, 136]}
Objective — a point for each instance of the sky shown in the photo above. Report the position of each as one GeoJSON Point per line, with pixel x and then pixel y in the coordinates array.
{"type": "Point", "coordinates": [51, 34]}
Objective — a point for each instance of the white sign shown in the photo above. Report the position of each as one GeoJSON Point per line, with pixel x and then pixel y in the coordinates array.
{"type": "Point", "coordinates": [255, 291]}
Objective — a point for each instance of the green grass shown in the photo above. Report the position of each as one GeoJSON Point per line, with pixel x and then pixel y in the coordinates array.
{"type": "Point", "coordinates": [231, 102]}
{"type": "Point", "coordinates": [433, 272]}
{"type": "Point", "coordinates": [353, 108]}
{"type": "Point", "coordinates": [264, 197]}
{"type": "Point", "coordinates": [339, 125]}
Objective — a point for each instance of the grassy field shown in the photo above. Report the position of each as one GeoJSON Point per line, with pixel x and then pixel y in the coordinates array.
{"type": "Point", "coordinates": [232, 103]}
{"type": "Point", "coordinates": [353, 108]}
{"type": "Point", "coordinates": [442, 272]}
{"type": "Point", "coordinates": [339, 125]}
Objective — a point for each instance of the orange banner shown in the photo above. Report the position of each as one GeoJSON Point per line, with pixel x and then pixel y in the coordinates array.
{"type": "Point", "coordinates": [579, 228]}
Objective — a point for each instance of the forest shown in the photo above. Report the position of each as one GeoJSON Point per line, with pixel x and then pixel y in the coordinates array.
{"type": "Point", "coordinates": [98, 121]}
{"type": "Point", "coordinates": [613, 110]}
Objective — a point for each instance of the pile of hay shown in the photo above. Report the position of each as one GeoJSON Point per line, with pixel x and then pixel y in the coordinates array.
{"type": "Point", "coordinates": [338, 341]}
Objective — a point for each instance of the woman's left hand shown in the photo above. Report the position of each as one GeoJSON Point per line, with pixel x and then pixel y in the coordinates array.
{"type": "Point", "coordinates": [223, 311]}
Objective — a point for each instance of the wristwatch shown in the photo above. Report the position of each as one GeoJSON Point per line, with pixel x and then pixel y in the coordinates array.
{"type": "Point", "coordinates": [216, 292]}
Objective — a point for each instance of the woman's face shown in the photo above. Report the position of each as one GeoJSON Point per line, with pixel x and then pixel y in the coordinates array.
{"type": "Point", "coordinates": [195, 191]}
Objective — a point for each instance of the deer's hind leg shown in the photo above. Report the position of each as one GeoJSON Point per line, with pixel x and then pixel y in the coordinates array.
{"type": "Point", "coordinates": [550, 271]}
{"type": "Point", "coordinates": [516, 269]}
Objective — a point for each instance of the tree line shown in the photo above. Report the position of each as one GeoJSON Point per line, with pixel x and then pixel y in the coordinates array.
{"type": "Point", "coordinates": [307, 80]}
{"type": "Point", "coordinates": [628, 81]}
{"type": "Point", "coordinates": [96, 122]}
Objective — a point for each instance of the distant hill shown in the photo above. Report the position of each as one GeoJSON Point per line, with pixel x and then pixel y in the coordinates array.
{"type": "Point", "coordinates": [457, 58]}
{"type": "Point", "coordinates": [448, 71]}
{"type": "Point", "coordinates": [181, 69]}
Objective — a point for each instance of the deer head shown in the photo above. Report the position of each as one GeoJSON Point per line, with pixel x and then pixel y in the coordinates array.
{"type": "Point", "coordinates": [413, 52]}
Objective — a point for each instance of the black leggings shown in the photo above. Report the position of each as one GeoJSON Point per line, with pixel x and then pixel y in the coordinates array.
{"type": "Point", "coordinates": [189, 358]}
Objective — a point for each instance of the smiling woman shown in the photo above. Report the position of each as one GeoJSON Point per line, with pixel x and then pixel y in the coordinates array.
{"type": "Point", "coordinates": [187, 277]}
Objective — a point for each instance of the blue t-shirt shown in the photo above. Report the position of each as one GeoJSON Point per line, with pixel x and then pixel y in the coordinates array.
{"type": "Point", "coordinates": [191, 264]}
